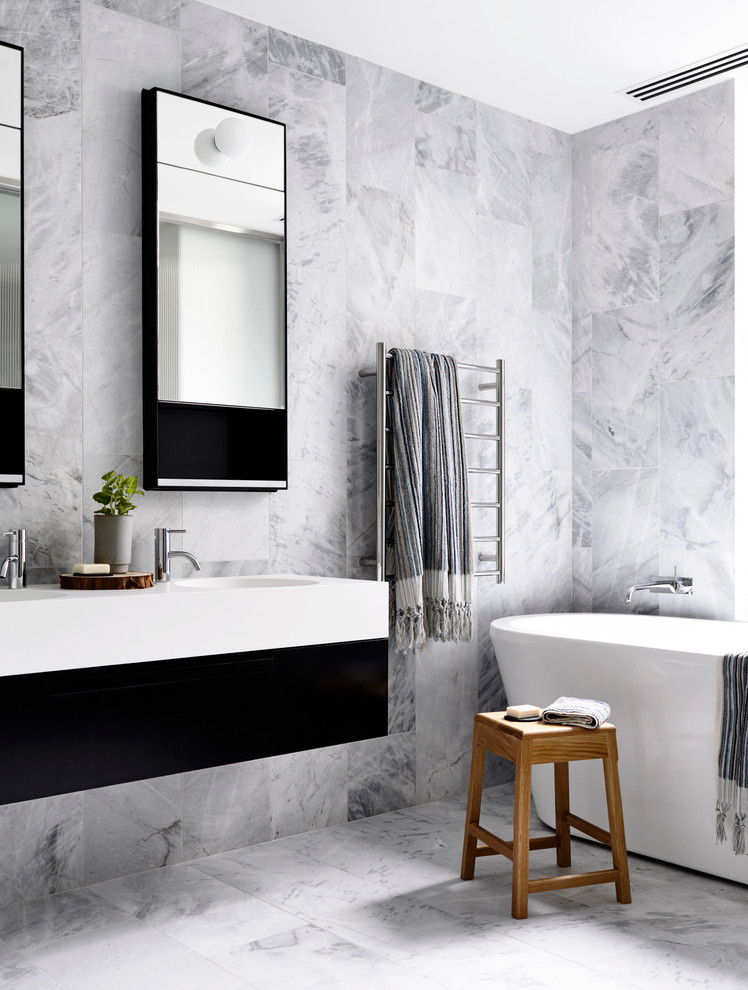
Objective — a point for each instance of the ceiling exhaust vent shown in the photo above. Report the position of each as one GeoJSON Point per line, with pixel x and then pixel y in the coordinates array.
{"type": "Point", "coordinates": [716, 65]}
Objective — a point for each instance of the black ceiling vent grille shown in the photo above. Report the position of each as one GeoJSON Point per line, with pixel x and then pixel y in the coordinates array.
{"type": "Point", "coordinates": [716, 65]}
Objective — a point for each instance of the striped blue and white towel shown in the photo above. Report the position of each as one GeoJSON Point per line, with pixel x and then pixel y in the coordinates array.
{"type": "Point", "coordinates": [432, 536]}
{"type": "Point", "coordinates": [732, 753]}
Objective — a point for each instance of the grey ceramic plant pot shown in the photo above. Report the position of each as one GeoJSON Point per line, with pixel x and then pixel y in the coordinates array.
{"type": "Point", "coordinates": [113, 542]}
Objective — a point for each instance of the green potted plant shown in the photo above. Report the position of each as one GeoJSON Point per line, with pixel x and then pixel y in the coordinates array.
{"type": "Point", "coordinates": [113, 523]}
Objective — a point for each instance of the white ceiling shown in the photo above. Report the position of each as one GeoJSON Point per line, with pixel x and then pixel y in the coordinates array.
{"type": "Point", "coordinates": [558, 63]}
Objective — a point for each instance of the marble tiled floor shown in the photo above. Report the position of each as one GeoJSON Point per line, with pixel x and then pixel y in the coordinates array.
{"type": "Point", "coordinates": [378, 904]}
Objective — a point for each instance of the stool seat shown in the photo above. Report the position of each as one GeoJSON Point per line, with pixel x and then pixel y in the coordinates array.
{"type": "Point", "coordinates": [526, 744]}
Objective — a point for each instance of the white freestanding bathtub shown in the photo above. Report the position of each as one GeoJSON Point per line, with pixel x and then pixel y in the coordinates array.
{"type": "Point", "coordinates": [659, 676]}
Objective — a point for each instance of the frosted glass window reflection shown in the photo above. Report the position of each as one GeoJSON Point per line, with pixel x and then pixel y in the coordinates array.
{"type": "Point", "coordinates": [221, 302]}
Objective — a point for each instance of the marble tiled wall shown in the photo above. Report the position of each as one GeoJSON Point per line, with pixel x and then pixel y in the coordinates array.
{"type": "Point", "coordinates": [653, 361]}
{"type": "Point", "coordinates": [416, 216]}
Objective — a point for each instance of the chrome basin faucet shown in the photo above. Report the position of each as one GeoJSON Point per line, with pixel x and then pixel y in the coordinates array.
{"type": "Point", "coordinates": [672, 585]}
{"type": "Point", "coordinates": [164, 554]}
{"type": "Point", "coordinates": [13, 568]}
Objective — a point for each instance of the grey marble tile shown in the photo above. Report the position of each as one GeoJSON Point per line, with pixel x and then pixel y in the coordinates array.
{"type": "Point", "coordinates": [444, 103]}
{"type": "Point", "coordinates": [713, 577]}
{"type": "Point", "coordinates": [549, 141]}
{"type": "Point", "coordinates": [505, 166]}
{"type": "Point", "coordinates": [306, 56]}
{"type": "Point", "coordinates": [582, 470]}
{"type": "Point", "coordinates": [380, 128]}
{"type": "Point", "coordinates": [50, 34]}
{"type": "Point", "coordinates": [551, 402]}
{"type": "Point", "coordinates": [14, 966]}
{"type": "Point", "coordinates": [582, 579]}
{"type": "Point", "coordinates": [380, 264]}
{"type": "Point", "coordinates": [50, 501]}
{"type": "Point", "coordinates": [52, 273]}
{"type": "Point", "coordinates": [121, 56]}
{"type": "Point", "coordinates": [625, 172]}
{"type": "Point", "coordinates": [446, 700]}
{"type": "Point", "coordinates": [35, 923]}
{"type": "Point", "coordinates": [440, 144]}
{"type": "Point", "coordinates": [697, 148]}
{"type": "Point", "coordinates": [505, 270]}
{"type": "Point", "coordinates": [696, 293]}
{"type": "Point", "coordinates": [308, 790]}
{"type": "Point", "coordinates": [112, 343]}
{"type": "Point", "coordinates": [125, 959]}
{"type": "Point", "coordinates": [225, 808]}
{"type": "Point", "coordinates": [308, 521]}
{"type": "Point", "coordinates": [194, 909]}
{"type": "Point", "coordinates": [224, 57]}
{"type": "Point", "coordinates": [625, 252]}
{"type": "Point", "coordinates": [697, 465]}
{"type": "Point", "coordinates": [621, 133]}
{"type": "Point", "coordinates": [445, 232]}
{"type": "Point", "coordinates": [401, 686]}
{"type": "Point", "coordinates": [581, 222]}
{"type": "Point", "coordinates": [227, 526]}
{"type": "Point", "coordinates": [448, 325]}
{"type": "Point", "coordinates": [313, 110]}
{"type": "Point", "coordinates": [381, 775]}
{"type": "Point", "coordinates": [42, 850]}
{"type": "Point", "coordinates": [164, 13]}
{"type": "Point", "coordinates": [581, 361]}
{"type": "Point", "coordinates": [625, 389]}
{"type": "Point", "coordinates": [625, 514]}
{"type": "Point", "coordinates": [302, 956]}
{"type": "Point", "coordinates": [132, 827]}
{"type": "Point", "coordinates": [551, 234]}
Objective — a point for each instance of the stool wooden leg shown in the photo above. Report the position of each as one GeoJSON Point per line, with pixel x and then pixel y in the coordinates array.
{"type": "Point", "coordinates": [472, 815]}
{"type": "Point", "coordinates": [563, 831]}
{"type": "Point", "coordinates": [615, 819]}
{"type": "Point", "coordinates": [521, 844]}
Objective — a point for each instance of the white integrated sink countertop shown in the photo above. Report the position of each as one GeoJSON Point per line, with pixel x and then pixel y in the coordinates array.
{"type": "Point", "coordinates": [44, 628]}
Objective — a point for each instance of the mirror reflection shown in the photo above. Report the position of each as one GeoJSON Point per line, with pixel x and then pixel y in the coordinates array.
{"type": "Point", "coordinates": [221, 257]}
{"type": "Point", "coordinates": [11, 266]}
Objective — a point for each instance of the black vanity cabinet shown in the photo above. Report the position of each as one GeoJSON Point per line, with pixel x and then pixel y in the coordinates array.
{"type": "Point", "coordinates": [214, 297]}
{"type": "Point", "coordinates": [74, 730]}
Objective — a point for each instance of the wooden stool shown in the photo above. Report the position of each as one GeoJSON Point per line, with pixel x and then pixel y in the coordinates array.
{"type": "Point", "coordinates": [527, 743]}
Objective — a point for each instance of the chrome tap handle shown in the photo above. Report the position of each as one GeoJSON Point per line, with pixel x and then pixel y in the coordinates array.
{"type": "Point", "coordinates": [164, 554]}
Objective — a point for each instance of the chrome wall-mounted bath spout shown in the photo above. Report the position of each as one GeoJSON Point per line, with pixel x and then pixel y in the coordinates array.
{"type": "Point", "coordinates": [664, 585]}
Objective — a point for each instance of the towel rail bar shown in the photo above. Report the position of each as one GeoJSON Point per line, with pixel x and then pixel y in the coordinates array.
{"type": "Point", "coordinates": [382, 467]}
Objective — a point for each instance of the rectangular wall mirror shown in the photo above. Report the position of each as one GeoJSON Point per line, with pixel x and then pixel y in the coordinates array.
{"type": "Point", "coordinates": [12, 448]}
{"type": "Point", "coordinates": [214, 296]}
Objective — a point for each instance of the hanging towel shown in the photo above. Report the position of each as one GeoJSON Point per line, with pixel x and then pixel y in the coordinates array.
{"type": "Point", "coordinates": [732, 755]}
{"type": "Point", "coordinates": [433, 586]}
{"type": "Point", "coordinates": [586, 712]}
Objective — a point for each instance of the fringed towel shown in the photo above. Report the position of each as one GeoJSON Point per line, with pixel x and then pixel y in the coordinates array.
{"type": "Point", "coordinates": [732, 755]}
{"type": "Point", "coordinates": [432, 538]}
{"type": "Point", "coordinates": [586, 712]}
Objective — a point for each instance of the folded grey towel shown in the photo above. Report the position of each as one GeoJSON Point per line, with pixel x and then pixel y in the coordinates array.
{"type": "Point", "coordinates": [577, 711]}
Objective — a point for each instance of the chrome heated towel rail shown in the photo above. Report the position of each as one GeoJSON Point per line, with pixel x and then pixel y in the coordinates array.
{"type": "Point", "coordinates": [495, 438]}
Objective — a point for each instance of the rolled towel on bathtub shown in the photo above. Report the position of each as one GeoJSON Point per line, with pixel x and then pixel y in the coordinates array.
{"type": "Point", "coordinates": [586, 712]}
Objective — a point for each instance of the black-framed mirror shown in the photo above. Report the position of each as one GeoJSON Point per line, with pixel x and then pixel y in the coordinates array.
{"type": "Point", "coordinates": [12, 449]}
{"type": "Point", "coordinates": [214, 296]}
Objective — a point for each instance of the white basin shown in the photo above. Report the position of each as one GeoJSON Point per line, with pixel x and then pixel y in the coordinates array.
{"type": "Point", "coordinates": [245, 581]}
{"type": "Point", "coordinates": [28, 594]}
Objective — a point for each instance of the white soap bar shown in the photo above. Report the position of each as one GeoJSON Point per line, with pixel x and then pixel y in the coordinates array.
{"type": "Point", "coordinates": [91, 569]}
{"type": "Point", "coordinates": [523, 711]}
